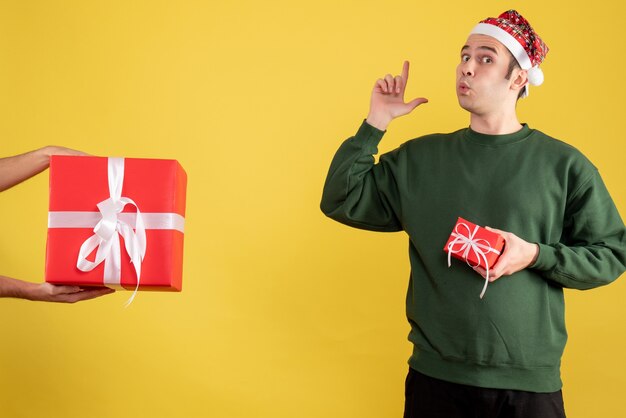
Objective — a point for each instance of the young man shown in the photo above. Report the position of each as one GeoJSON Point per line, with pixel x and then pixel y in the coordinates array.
{"type": "Point", "coordinates": [14, 170]}
{"type": "Point", "coordinates": [498, 356]}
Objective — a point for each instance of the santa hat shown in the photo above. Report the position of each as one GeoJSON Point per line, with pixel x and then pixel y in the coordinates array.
{"type": "Point", "coordinates": [516, 34]}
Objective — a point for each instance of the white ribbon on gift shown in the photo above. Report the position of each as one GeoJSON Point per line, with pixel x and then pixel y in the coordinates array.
{"type": "Point", "coordinates": [469, 243]}
{"type": "Point", "coordinates": [110, 222]}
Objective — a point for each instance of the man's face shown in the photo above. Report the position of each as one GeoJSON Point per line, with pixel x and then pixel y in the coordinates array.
{"type": "Point", "coordinates": [482, 87]}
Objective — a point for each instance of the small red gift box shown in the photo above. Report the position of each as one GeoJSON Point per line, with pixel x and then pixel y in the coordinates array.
{"type": "Point", "coordinates": [475, 245]}
{"type": "Point", "coordinates": [113, 221]}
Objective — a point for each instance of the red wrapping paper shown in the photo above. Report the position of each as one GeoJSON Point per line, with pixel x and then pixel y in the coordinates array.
{"type": "Point", "coordinates": [488, 242]}
{"type": "Point", "coordinates": [79, 183]}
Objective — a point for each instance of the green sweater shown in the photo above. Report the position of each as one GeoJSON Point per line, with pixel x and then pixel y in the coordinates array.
{"type": "Point", "coordinates": [527, 183]}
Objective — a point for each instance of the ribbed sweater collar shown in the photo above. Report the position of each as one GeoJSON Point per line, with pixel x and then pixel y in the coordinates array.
{"type": "Point", "coordinates": [498, 140]}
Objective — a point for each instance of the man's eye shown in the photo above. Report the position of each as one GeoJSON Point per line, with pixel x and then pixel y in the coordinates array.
{"type": "Point", "coordinates": [464, 58]}
{"type": "Point", "coordinates": [487, 60]}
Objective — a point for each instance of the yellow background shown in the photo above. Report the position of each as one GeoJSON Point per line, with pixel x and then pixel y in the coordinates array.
{"type": "Point", "coordinates": [284, 313]}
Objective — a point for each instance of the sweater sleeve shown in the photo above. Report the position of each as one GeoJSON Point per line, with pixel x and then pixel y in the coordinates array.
{"type": "Point", "coordinates": [358, 192]}
{"type": "Point", "coordinates": [592, 249]}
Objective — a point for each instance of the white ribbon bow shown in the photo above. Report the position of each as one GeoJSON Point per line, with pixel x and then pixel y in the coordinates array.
{"type": "Point", "coordinates": [468, 242]}
{"type": "Point", "coordinates": [105, 237]}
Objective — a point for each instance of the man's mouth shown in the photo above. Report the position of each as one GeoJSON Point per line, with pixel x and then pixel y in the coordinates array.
{"type": "Point", "coordinates": [463, 87]}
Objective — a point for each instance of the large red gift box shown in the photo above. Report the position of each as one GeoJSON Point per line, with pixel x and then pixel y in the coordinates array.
{"type": "Point", "coordinates": [95, 206]}
{"type": "Point", "coordinates": [475, 245]}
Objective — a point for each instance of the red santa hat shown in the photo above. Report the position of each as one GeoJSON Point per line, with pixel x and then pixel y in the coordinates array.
{"type": "Point", "coordinates": [516, 34]}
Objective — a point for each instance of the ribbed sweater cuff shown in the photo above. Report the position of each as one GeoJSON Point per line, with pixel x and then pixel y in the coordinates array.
{"type": "Point", "coordinates": [546, 260]}
{"type": "Point", "coordinates": [368, 133]}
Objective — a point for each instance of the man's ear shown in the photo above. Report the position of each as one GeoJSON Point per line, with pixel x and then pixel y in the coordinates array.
{"type": "Point", "coordinates": [519, 79]}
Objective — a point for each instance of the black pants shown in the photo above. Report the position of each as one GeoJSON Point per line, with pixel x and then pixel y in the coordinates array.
{"type": "Point", "coordinates": [426, 397]}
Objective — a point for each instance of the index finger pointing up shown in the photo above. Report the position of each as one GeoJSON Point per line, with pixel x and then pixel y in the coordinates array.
{"type": "Point", "coordinates": [405, 71]}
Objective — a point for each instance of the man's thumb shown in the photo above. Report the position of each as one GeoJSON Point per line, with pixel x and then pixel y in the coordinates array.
{"type": "Point", "coordinates": [416, 102]}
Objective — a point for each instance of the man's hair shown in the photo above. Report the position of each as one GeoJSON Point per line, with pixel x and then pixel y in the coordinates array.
{"type": "Point", "coordinates": [513, 64]}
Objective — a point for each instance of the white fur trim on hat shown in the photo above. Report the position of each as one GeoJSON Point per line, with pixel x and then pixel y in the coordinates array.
{"type": "Point", "coordinates": [507, 40]}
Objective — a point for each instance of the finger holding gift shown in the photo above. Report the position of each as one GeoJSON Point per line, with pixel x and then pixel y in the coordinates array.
{"type": "Point", "coordinates": [68, 294]}
{"type": "Point", "coordinates": [517, 255]}
{"type": "Point", "coordinates": [16, 169]}
{"type": "Point", "coordinates": [47, 292]}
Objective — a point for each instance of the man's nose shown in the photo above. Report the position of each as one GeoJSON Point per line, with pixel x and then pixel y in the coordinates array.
{"type": "Point", "coordinates": [467, 69]}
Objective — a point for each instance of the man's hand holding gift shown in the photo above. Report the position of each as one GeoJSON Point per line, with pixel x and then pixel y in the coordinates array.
{"type": "Point", "coordinates": [516, 255]}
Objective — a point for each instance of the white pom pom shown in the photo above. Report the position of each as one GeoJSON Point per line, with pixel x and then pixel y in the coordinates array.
{"type": "Point", "coordinates": [535, 76]}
